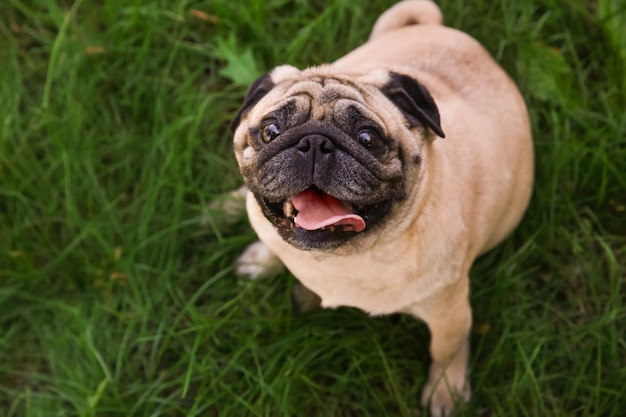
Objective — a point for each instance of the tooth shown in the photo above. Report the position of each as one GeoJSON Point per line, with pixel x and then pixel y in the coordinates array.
{"type": "Point", "coordinates": [288, 209]}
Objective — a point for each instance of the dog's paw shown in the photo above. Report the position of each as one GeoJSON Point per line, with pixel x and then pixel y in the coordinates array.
{"type": "Point", "coordinates": [227, 208]}
{"type": "Point", "coordinates": [258, 261]}
{"type": "Point", "coordinates": [445, 391]}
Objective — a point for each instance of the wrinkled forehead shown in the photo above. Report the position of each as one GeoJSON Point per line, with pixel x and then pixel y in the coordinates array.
{"type": "Point", "coordinates": [318, 97]}
{"type": "Point", "coordinates": [325, 90]}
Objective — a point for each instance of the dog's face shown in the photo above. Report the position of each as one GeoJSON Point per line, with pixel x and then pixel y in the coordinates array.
{"type": "Point", "coordinates": [326, 155]}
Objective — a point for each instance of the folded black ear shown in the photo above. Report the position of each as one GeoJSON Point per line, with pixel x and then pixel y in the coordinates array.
{"type": "Point", "coordinates": [256, 92]}
{"type": "Point", "coordinates": [414, 100]}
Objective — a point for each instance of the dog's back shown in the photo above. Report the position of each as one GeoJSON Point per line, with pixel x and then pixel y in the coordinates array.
{"type": "Point", "coordinates": [481, 107]}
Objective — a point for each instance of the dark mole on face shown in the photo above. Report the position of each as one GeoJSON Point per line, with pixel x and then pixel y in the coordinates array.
{"type": "Point", "coordinates": [417, 159]}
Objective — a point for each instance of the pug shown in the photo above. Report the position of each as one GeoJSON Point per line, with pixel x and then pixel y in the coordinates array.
{"type": "Point", "coordinates": [377, 180]}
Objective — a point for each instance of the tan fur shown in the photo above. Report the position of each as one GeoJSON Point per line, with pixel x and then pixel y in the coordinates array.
{"type": "Point", "coordinates": [469, 193]}
{"type": "Point", "coordinates": [406, 13]}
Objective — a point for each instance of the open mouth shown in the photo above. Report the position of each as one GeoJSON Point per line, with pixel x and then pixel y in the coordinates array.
{"type": "Point", "coordinates": [313, 209]}
{"type": "Point", "coordinates": [313, 219]}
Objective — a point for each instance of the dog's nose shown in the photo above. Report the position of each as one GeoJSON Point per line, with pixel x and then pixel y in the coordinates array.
{"type": "Point", "coordinates": [316, 143]}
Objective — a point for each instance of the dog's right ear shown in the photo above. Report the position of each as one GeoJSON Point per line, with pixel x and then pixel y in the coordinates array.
{"type": "Point", "coordinates": [256, 92]}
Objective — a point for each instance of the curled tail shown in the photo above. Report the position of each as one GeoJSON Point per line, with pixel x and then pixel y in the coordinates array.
{"type": "Point", "coordinates": [407, 13]}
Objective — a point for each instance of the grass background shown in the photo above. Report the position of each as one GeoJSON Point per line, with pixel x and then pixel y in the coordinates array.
{"type": "Point", "coordinates": [115, 300]}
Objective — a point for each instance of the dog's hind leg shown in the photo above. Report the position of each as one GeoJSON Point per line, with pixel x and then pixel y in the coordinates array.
{"type": "Point", "coordinates": [228, 208]}
{"type": "Point", "coordinates": [449, 317]}
{"type": "Point", "coordinates": [258, 261]}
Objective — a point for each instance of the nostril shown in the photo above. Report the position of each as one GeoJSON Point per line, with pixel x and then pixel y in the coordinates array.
{"type": "Point", "coordinates": [317, 143]}
{"type": "Point", "coordinates": [304, 145]}
{"type": "Point", "coordinates": [326, 146]}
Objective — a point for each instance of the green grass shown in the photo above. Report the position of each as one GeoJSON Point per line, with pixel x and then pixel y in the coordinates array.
{"type": "Point", "coordinates": [116, 301]}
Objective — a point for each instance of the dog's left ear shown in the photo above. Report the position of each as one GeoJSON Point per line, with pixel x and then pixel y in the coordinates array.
{"type": "Point", "coordinates": [414, 100]}
{"type": "Point", "coordinates": [256, 92]}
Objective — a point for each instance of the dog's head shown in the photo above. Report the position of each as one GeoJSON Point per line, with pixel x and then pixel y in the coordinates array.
{"type": "Point", "coordinates": [326, 154]}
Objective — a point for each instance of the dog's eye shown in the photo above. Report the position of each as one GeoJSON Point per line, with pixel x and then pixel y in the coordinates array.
{"type": "Point", "coordinates": [269, 132]}
{"type": "Point", "coordinates": [369, 139]}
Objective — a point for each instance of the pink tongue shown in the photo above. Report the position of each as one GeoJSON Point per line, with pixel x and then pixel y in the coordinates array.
{"type": "Point", "coordinates": [317, 210]}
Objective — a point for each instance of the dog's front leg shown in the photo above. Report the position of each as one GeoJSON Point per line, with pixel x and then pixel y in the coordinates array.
{"type": "Point", "coordinates": [258, 261]}
{"type": "Point", "coordinates": [449, 317]}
